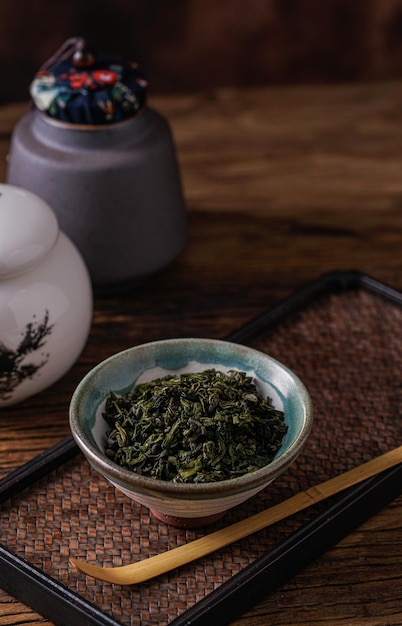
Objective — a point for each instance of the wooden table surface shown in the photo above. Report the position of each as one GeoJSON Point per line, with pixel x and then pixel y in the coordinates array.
{"type": "Point", "coordinates": [281, 185]}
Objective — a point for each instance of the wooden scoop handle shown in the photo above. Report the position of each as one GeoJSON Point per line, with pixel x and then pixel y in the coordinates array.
{"type": "Point", "coordinates": [146, 569]}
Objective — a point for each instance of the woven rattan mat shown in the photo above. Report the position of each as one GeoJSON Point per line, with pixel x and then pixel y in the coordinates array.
{"type": "Point", "coordinates": [347, 349]}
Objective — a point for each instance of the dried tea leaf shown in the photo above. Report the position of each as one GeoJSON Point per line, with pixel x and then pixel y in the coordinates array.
{"type": "Point", "coordinates": [196, 427]}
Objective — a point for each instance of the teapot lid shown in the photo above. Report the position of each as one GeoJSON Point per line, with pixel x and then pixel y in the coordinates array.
{"type": "Point", "coordinates": [78, 86]}
{"type": "Point", "coordinates": [28, 230]}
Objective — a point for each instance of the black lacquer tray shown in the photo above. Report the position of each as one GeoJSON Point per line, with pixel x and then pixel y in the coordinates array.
{"type": "Point", "coordinates": [342, 335]}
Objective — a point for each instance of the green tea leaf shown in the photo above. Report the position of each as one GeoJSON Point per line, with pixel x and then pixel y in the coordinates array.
{"type": "Point", "coordinates": [198, 427]}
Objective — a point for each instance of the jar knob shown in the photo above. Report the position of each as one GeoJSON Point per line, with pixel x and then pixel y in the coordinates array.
{"type": "Point", "coordinates": [75, 48]}
{"type": "Point", "coordinates": [83, 56]}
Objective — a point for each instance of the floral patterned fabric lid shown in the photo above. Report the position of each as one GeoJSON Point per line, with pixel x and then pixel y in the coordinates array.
{"type": "Point", "coordinates": [75, 85]}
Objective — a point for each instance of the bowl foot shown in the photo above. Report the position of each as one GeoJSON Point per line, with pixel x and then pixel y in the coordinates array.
{"type": "Point", "coordinates": [187, 522]}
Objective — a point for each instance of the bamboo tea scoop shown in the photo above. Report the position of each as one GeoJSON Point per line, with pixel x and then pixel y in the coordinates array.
{"type": "Point", "coordinates": [153, 566]}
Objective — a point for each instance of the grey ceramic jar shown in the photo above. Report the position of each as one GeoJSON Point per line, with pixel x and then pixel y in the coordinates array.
{"type": "Point", "coordinates": [115, 189]}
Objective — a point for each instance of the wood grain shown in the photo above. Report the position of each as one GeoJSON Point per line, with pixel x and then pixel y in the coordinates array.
{"type": "Point", "coordinates": [281, 185]}
{"type": "Point", "coordinates": [201, 44]}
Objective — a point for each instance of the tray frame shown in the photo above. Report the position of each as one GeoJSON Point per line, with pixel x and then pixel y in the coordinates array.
{"type": "Point", "coordinates": [63, 607]}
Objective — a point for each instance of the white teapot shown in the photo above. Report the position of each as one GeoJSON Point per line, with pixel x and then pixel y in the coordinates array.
{"type": "Point", "coordinates": [45, 297]}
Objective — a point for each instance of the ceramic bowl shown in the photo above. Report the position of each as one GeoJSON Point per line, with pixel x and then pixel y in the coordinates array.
{"type": "Point", "coordinates": [187, 504]}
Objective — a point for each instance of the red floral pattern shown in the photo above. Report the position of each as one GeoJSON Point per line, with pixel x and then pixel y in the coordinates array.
{"type": "Point", "coordinates": [106, 92]}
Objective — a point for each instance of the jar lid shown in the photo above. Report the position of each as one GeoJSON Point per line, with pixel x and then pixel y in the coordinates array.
{"type": "Point", "coordinates": [28, 230]}
{"type": "Point", "coordinates": [78, 86]}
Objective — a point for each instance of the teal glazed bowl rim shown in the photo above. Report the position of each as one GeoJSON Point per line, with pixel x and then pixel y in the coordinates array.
{"type": "Point", "coordinates": [120, 372]}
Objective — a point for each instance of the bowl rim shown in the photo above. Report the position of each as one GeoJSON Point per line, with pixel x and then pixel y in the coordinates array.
{"type": "Point", "coordinates": [151, 486]}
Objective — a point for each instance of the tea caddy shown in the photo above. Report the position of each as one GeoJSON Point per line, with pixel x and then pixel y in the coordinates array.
{"type": "Point", "coordinates": [45, 297]}
{"type": "Point", "coordinates": [106, 163]}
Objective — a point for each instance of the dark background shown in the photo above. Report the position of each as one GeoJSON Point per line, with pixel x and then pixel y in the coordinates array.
{"type": "Point", "coordinates": [188, 45]}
